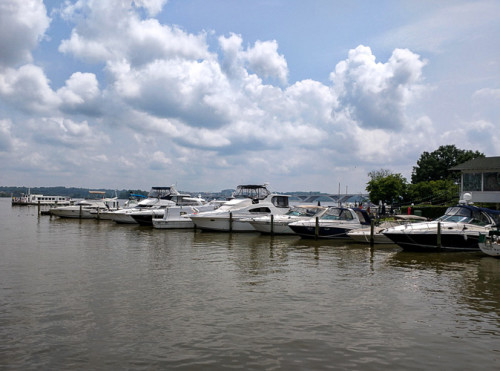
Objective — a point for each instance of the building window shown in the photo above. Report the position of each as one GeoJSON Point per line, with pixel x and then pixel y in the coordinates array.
{"type": "Point", "coordinates": [472, 181]}
{"type": "Point", "coordinates": [491, 181]}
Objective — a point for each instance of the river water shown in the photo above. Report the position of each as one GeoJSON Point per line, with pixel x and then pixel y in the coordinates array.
{"type": "Point", "coordinates": [96, 295]}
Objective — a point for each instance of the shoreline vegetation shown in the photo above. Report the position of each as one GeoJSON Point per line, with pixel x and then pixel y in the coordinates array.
{"type": "Point", "coordinates": [75, 192]}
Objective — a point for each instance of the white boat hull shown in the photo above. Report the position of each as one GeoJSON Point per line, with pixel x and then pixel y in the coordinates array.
{"type": "Point", "coordinates": [363, 236]}
{"type": "Point", "coordinates": [184, 223]}
{"type": "Point", "coordinates": [490, 245]}
{"type": "Point", "coordinates": [222, 223]}
{"type": "Point", "coordinates": [277, 227]}
{"type": "Point", "coordinates": [72, 212]}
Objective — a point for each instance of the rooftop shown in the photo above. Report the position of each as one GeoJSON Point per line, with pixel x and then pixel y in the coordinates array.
{"type": "Point", "coordinates": [484, 163]}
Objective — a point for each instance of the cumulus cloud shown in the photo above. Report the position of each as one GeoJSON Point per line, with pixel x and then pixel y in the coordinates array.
{"type": "Point", "coordinates": [80, 94]}
{"type": "Point", "coordinates": [60, 131]}
{"type": "Point", "coordinates": [28, 89]}
{"type": "Point", "coordinates": [191, 91]}
{"type": "Point", "coordinates": [6, 139]}
{"type": "Point", "coordinates": [22, 24]}
{"type": "Point", "coordinates": [264, 59]}
{"type": "Point", "coordinates": [110, 31]}
{"type": "Point", "coordinates": [377, 94]}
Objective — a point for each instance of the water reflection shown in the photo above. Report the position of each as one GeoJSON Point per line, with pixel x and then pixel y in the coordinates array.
{"type": "Point", "coordinates": [471, 280]}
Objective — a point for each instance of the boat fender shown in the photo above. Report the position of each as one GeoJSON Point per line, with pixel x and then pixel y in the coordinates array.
{"type": "Point", "coordinates": [465, 237]}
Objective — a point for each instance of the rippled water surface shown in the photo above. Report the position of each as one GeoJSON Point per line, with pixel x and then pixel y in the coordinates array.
{"type": "Point", "coordinates": [96, 295]}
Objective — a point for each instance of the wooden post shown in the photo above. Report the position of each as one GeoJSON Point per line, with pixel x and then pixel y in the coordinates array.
{"type": "Point", "coordinates": [272, 224]}
{"type": "Point", "coordinates": [230, 221]}
{"type": "Point", "coordinates": [98, 213]}
{"type": "Point", "coordinates": [80, 215]}
{"type": "Point", "coordinates": [316, 228]}
{"type": "Point", "coordinates": [372, 229]}
{"type": "Point", "coordinates": [439, 236]}
{"type": "Point", "coordinates": [39, 210]}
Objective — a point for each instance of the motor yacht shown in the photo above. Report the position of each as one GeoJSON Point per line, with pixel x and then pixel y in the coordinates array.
{"type": "Point", "coordinates": [363, 235]}
{"type": "Point", "coordinates": [178, 216]}
{"type": "Point", "coordinates": [278, 224]}
{"type": "Point", "coordinates": [87, 208]}
{"type": "Point", "coordinates": [157, 199]}
{"type": "Point", "coordinates": [334, 223]}
{"type": "Point", "coordinates": [457, 230]}
{"type": "Point", "coordinates": [248, 201]}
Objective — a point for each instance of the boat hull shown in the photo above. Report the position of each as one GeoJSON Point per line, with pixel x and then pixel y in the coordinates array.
{"type": "Point", "coordinates": [222, 224]}
{"type": "Point", "coordinates": [184, 223]}
{"type": "Point", "coordinates": [363, 236]}
{"type": "Point", "coordinates": [309, 231]}
{"type": "Point", "coordinates": [429, 241]}
{"type": "Point", "coordinates": [490, 245]}
{"type": "Point", "coordinates": [277, 227]}
{"type": "Point", "coordinates": [123, 218]}
{"type": "Point", "coordinates": [72, 213]}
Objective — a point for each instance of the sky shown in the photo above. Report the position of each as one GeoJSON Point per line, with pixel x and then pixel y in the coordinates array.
{"type": "Point", "coordinates": [208, 94]}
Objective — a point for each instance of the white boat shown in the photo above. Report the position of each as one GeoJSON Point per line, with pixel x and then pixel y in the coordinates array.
{"type": "Point", "coordinates": [278, 224]}
{"type": "Point", "coordinates": [334, 223]}
{"type": "Point", "coordinates": [248, 201]}
{"type": "Point", "coordinates": [110, 214]}
{"type": "Point", "coordinates": [158, 198]}
{"type": "Point", "coordinates": [38, 199]}
{"type": "Point", "coordinates": [363, 235]}
{"type": "Point", "coordinates": [490, 243]}
{"type": "Point", "coordinates": [178, 216]}
{"type": "Point", "coordinates": [86, 209]}
{"type": "Point", "coordinates": [145, 217]}
{"type": "Point", "coordinates": [457, 230]}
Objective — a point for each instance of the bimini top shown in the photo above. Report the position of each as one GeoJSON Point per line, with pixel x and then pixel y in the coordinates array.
{"type": "Point", "coordinates": [253, 191]}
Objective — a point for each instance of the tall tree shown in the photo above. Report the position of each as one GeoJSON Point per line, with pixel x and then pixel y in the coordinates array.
{"type": "Point", "coordinates": [385, 186]}
{"type": "Point", "coordinates": [436, 165]}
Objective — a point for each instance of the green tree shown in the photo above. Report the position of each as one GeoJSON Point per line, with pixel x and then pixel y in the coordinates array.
{"type": "Point", "coordinates": [385, 186]}
{"type": "Point", "coordinates": [434, 192]}
{"type": "Point", "coordinates": [436, 165]}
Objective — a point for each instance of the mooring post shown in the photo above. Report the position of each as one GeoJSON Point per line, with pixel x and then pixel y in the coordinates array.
{"type": "Point", "coordinates": [439, 236]}
{"type": "Point", "coordinates": [372, 229]}
{"type": "Point", "coordinates": [80, 215]}
{"type": "Point", "coordinates": [39, 206]}
{"type": "Point", "coordinates": [272, 224]}
{"type": "Point", "coordinates": [230, 221]}
{"type": "Point", "coordinates": [316, 228]}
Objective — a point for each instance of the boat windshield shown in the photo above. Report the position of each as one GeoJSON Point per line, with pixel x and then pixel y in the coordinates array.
{"type": "Point", "coordinates": [335, 213]}
{"type": "Point", "coordinates": [255, 192]}
{"type": "Point", "coordinates": [302, 211]}
{"type": "Point", "coordinates": [458, 214]}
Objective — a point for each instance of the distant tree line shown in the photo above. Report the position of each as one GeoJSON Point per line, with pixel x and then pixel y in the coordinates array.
{"type": "Point", "coordinates": [432, 181]}
{"type": "Point", "coordinates": [64, 191]}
